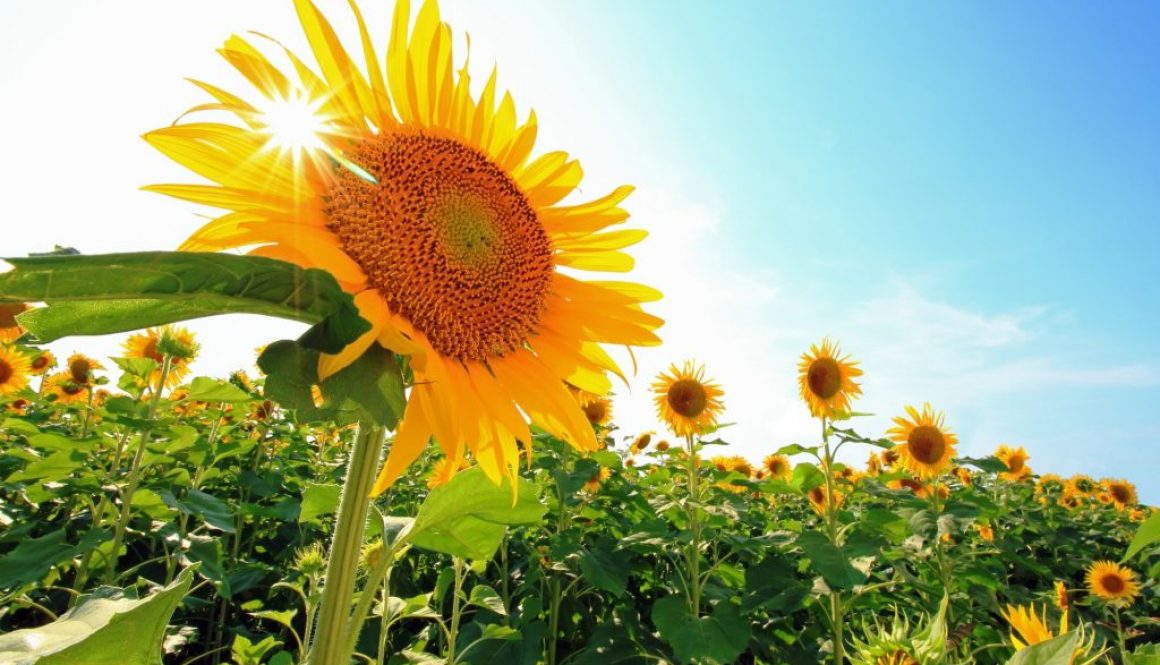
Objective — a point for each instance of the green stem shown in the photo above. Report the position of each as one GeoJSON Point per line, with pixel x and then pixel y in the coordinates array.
{"type": "Point", "coordinates": [456, 608]}
{"type": "Point", "coordinates": [342, 565]}
{"type": "Point", "coordinates": [694, 518]}
{"type": "Point", "coordinates": [379, 572]}
{"type": "Point", "coordinates": [837, 619]}
{"type": "Point", "coordinates": [1120, 635]}
{"type": "Point", "coordinates": [134, 471]}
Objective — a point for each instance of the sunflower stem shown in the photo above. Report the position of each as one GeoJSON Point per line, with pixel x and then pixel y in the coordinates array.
{"type": "Point", "coordinates": [135, 470]}
{"type": "Point", "coordinates": [342, 564]}
{"type": "Point", "coordinates": [1120, 634]}
{"type": "Point", "coordinates": [837, 620]}
{"type": "Point", "coordinates": [694, 528]}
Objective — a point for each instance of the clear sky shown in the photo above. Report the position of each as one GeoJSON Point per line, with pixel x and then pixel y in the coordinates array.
{"type": "Point", "coordinates": [967, 195]}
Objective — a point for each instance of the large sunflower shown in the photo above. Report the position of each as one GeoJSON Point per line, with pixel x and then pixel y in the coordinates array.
{"type": "Point", "coordinates": [1112, 582]}
{"type": "Point", "coordinates": [927, 445]}
{"type": "Point", "coordinates": [424, 202]}
{"type": "Point", "coordinates": [14, 370]}
{"type": "Point", "coordinates": [685, 401]}
{"type": "Point", "coordinates": [827, 380]}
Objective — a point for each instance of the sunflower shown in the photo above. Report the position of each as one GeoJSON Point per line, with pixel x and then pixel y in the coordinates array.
{"type": "Point", "coordinates": [778, 466]}
{"type": "Point", "coordinates": [685, 401]}
{"type": "Point", "coordinates": [81, 367]}
{"type": "Point", "coordinates": [873, 464]}
{"type": "Point", "coordinates": [1016, 461]}
{"type": "Point", "coordinates": [145, 345]}
{"type": "Point", "coordinates": [964, 475]}
{"type": "Point", "coordinates": [1061, 601]}
{"type": "Point", "coordinates": [662, 446]}
{"type": "Point", "coordinates": [9, 328]}
{"type": "Point", "coordinates": [1112, 583]}
{"type": "Point", "coordinates": [18, 406]}
{"type": "Point", "coordinates": [65, 390]}
{"type": "Point", "coordinates": [443, 471]}
{"type": "Point", "coordinates": [927, 445]}
{"type": "Point", "coordinates": [423, 202]}
{"type": "Point", "coordinates": [597, 408]}
{"type": "Point", "coordinates": [597, 479]}
{"type": "Point", "coordinates": [14, 370]}
{"type": "Point", "coordinates": [1031, 627]}
{"type": "Point", "coordinates": [818, 499]}
{"type": "Point", "coordinates": [890, 457]}
{"type": "Point", "coordinates": [640, 443]}
{"type": "Point", "coordinates": [1121, 492]}
{"type": "Point", "coordinates": [827, 380]}
{"type": "Point", "coordinates": [985, 532]}
{"type": "Point", "coordinates": [43, 362]}
{"type": "Point", "coordinates": [896, 657]}
{"type": "Point", "coordinates": [910, 484]}
{"type": "Point", "coordinates": [1081, 483]}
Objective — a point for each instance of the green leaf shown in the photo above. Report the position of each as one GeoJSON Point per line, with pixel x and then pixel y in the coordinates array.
{"type": "Point", "coordinates": [605, 570]}
{"type": "Point", "coordinates": [245, 652]}
{"type": "Point", "coordinates": [794, 449]}
{"type": "Point", "coordinates": [495, 631]}
{"type": "Point", "coordinates": [772, 585]}
{"type": "Point", "coordinates": [100, 631]}
{"type": "Point", "coordinates": [807, 476]}
{"type": "Point", "coordinates": [318, 500]}
{"type": "Point", "coordinates": [205, 389]}
{"type": "Point", "coordinates": [487, 598]}
{"type": "Point", "coordinates": [1147, 534]}
{"type": "Point", "coordinates": [468, 516]}
{"type": "Point", "coordinates": [1145, 654]}
{"type": "Point", "coordinates": [213, 510]}
{"type": "Point", "coordinates": [722, 636]}
{"type": "Point", "coordinates": [989, 464]}
{"type": "Point", "coordinates": [112, 293]}
{"type": "Point", "coordinates": [34, 557]}
{"type": "Point", "coordinates": [1057, 651]}
{"type": "Point", "coordinates": [830, 562]}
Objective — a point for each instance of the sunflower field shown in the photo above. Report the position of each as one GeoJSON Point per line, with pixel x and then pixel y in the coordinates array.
{"type": "Point", "coordinates": [433, 473]}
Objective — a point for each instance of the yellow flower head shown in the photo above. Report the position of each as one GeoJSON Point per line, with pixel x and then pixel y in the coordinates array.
{"type": "Point", "coordinates": [826, 379]}
{"type": "Point", "coordinates": [14, 370]}
{"type": "Point", "coordinates": [419, 193]}
{"type": "Point", "coordinates": [1120, 492]}
{"type": "Point", "coordinates": [685, 401]}
{"type": "Point", "coordinates": [41, 363]}
{"type": "Point", "coordinates": [778, 466]}
{"type": "Point", "coordinates": [927, 445]}
{"type": "Point", "coordinates": [1030, 626]}
{"type": "Point", "coordinates": [818, 498]}
{"type": "Point", "coordinates": [964, 475]}
{"type": "Point", "coordinates": [1046, 481]}
{"type": "Point", "coordinates": [640, 443]}
{"type": "Point", "coordinates": [985, 532]}
{"type": "Point", "coordinates": [662, 446]}
{"type": "Point", "coordinates": [66, 391]}
{"type": "Point", "coordinates": [9, 328]}
{"type": "Point", "coordinates": [154, 343]}
{"type": "Point", "coordinates": [1016, 461]}
{"type": "Point", "coordinates": [1112, 583]}
{"type": "Point", "coordinates": [597, 479]}
{"type": "Point", "coordinates": [597, 409]}
{"type": "Point", "coordinates": [444, 470]}
{"type": "Point", "coordinates": [81, 368]}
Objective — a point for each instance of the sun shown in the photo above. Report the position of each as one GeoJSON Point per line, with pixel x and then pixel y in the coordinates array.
{"type": "Point", "coordinates": [418, 190]}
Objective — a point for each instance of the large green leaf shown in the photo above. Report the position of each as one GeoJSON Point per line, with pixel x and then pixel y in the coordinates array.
{"type": "Point", "coordinates": [1147, 534]}
{"type": "Point", "coordinates": [34, 557]}
{"type": "Point", "coordinates": [110, 630]}
{"type": "Point", "coordinates": [468, 516]}
{"type": "Point", "coordinates": [832, 563]}
{"type": "Point", "coordinates": [1057, 651]}
{"type": "Point", "coordinates": [112, 293]}
{"type": "Point", "coordinates": [720, 637]}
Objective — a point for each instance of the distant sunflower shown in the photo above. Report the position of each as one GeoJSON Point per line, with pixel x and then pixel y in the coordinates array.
{"type": "Point", "coordinates": [1112, 583]}
{"type": "Point", "coordinates": [818, 498]}
{"type": "Point", "coordinates": [417, 191]}
{"type": "Point", "coordinates": [910, 484]}
{"type": "Point", "coordinates": [43, 362]}
{"type": "Point", "coordinates": [81, 367]}
{"type": "Point", "coordinates": [964, 475]}
{"type": "Point", "coordinates": [890, 457]}
{"type": "Point", "coordinates": [927, 445]}
{"type": "Point", "coordinates": [597, 408]}
{"type": "Point", "coordinates": [778, 466]}
{"type": "Point", "coordinates": [1121, 492]}
{"type": "Point", "coordinates": [18, 406]}
{"type": "Point", "coordinates": [597, 479]}
{"type": "Point", "coordinates": [9, 328]}
{"type": "Point", "coordinates": [826, 379]}
{"type": "Point", "coordinates": [14, 370]}
{"type": "Point", "coordinates": [1082, 484]}
{"type": "Point", "coordinates": [685, 401]}
{"type": "Point", "coordinates": [1062, 602]}
{"type": "Point", "coordinates": [640, 443]}
{"type": "Point", "coordinates": [66, 391]}
{"type": "Point", "coordinates": [145, 345]}
{"type": "Point", "coordinates": [1016, 461]}
{"type": "Point", "coordinates": [897, 657]}
{"type": "Point", "coordinates": [985, 532]}
{"type": "Point", "coordinates": [443, 471]}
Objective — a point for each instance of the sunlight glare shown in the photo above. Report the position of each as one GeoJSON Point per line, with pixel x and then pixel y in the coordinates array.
{"type": "Point", "coordinates": [295, 123]}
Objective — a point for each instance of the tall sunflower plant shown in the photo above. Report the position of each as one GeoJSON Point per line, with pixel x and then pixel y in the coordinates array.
{"type": "Point", "coordinates": [404, 217]}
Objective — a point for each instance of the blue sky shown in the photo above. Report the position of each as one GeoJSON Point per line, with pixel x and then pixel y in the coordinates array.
{"type": "Point", "coordinates": [966, 194]}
